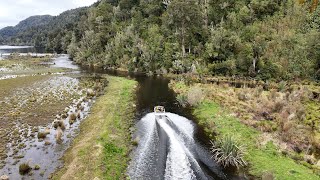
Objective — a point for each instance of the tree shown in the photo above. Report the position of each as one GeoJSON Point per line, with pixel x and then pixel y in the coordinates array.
{"type": "Point", "coordinates": [184, 19]}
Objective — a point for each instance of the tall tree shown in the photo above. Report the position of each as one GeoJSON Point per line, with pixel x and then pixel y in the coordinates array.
{"type": "Point", "coordinates": [184, 19]}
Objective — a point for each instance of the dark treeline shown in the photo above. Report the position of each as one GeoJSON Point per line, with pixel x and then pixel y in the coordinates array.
{"type": "Point", "coordinates": [265, 39]}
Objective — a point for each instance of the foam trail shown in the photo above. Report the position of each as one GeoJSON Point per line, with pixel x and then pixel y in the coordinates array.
{"type": "Point", "coordinates": [167, 150]}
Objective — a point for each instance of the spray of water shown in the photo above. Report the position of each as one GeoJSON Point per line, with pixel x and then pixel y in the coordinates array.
{"type": "Point", "coordinates": [167, 150]}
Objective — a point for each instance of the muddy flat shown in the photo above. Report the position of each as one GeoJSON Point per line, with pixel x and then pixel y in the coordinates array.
{"type": "Point", "coordinates": [43, 101]}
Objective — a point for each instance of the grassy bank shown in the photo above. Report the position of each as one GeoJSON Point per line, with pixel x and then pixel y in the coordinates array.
{"type": "Point", "coordinates": [218, 111]}
{"type": "Point", "coordinates": [262, 158]}
{"type": "Point", "coordinates": [101, 149]}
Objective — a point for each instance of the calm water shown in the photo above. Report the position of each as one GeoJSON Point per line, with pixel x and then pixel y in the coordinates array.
{"type": "Point", "coordinates": [19, 49]}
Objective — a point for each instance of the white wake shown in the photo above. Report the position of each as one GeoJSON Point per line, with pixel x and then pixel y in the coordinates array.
{"type": "Point", "coordinates": [167, 150]}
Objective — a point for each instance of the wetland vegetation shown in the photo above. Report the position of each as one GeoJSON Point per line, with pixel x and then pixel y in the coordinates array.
{"type": "Point", "coordinates": [101, 149]}
{"type": "Point", "coordinates": [41, 107]}
{"type": "Point", "coordinates": [276, 128]}
{"type": "Point", "coordinates": [249, 70]}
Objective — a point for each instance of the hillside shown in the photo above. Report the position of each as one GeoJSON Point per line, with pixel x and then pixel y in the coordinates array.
{"type": "Point", "coordinates": [267, 40]}
{"type": "Point", "coordinates": [39, 31]}
{"type": "Point", "coordinates": [32, 22]}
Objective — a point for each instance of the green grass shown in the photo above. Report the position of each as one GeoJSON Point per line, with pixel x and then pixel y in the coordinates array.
{"type": "Point", "coordinates": [260, 159]}
{"type": "Point", "coordinates": [102, 147]}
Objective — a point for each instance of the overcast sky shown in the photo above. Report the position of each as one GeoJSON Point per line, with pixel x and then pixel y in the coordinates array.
{"type": "Point", "coordinates": [14, 11]}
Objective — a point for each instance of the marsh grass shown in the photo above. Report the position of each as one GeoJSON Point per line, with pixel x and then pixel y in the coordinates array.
{"type": "Point", "coordinates": [228, 152]}
{"type": "Point", "coordinates": [42, 135]}
{"type": "Point", "coordinates": [36, 167]}
{"type": "Point", "coordinates": [195, 95]}
{"type": "Point", "coordinates": [182, 100]}
{"type": "Point", "coordinates": [59, 123]}
{"type": "Point", "coordinates": [24, 168]}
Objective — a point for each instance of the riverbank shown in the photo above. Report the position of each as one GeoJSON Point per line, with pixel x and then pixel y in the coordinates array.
{"type": "Point", "coordinates": [263, 127]}
{"type": "Point", "coordinates": [102, 147]}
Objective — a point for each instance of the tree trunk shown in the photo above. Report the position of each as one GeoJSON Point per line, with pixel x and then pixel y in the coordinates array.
{"type": "Point", "coordinates": [206, 13]}
{"type": "Point", "coordinates": [183, 41]}
{"type": "Point", "coordinates": [183, 47]}
{"type": "Point", "coordinates": [254, 62]}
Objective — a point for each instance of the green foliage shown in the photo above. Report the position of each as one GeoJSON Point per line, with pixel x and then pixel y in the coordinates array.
{"type": "Point", "coordinates": [228, 152]}
{"type": "Point", "coordinates": [265, 39]}
{"type": "Point", "coordinates": [182, 100]}
{"type": "Point", "coordinates": [24, 168]}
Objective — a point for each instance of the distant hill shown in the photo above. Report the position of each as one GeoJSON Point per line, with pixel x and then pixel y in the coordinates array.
{"type": "Point", "coordinates": [31, 22]}
{"type": "Point", "coordinates": [37, 30]}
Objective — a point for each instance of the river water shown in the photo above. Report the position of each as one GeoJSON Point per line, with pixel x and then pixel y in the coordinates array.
{"type": "Point", "coordinates": [169, 148]}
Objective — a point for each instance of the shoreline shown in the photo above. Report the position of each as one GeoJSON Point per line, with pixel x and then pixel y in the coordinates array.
{"type": "Point", "coordinates": [104, 137]}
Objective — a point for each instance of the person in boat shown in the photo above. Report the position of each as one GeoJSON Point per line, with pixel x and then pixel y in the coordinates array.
{"type": "Point", "coordinates": [159, 109]}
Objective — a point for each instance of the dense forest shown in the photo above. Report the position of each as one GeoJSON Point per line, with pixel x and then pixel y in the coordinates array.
{"type": "Point", "coordinates": [264, 39]}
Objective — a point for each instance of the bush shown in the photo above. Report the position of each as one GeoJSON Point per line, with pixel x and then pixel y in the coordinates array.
{"type": "Point", "coordinates": [72, 117]}
{"type": "Point", "coordinates": [24, 168]}
{"type": "Point", "coordinates": [182, 100]}
{"type": "Point", "coordinates": [243, 96]}
{"type": "Point", "coordinates": [282, 86]}
{"type": "Point", "coordinates": [60, 124]}
{"type": "Point", "coordinates": [36, 167]}
{"type": "Point", "coordinates": [195, 96]}
{"type": "Point", "coordinates": [278, 106]}
{"type": "Point", "coordinates": [258, 91]}
{"type": "Point", "coordinates": [273, 94]}
{"type": "Point", "coordinates": [228, 152]}
{"type": "Point", "coordinates": [42, 135]}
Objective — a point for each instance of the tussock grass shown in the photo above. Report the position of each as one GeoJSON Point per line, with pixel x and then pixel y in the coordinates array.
{"type": "Point", "coordinates": [228, 152]}
{"type": "Point", "coordinates": [42, 135]}
{"type": "Point", "coordinates": [182, 100]}
{"type": "Point", "coordinates": [24, 168]}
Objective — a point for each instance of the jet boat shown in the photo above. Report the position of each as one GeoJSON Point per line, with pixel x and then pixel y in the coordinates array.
{"type": "Point", "coordinates": [159, 112]}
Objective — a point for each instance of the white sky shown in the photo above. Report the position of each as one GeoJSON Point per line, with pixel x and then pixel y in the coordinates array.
{"type": "Point", "coordinates": [14, 11]}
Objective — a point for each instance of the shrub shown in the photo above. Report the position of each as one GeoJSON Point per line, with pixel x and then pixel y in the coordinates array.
{"type": "Point", "coordinates": [258, 91]}
{"type": "Point", "coordinates": [72, 118]}
{"type": "Point", "coordinates": [301, 112]}
{"type": "Point", "coordinates": [36, 167]}
{"type": "Point", "coordinates": [195, 96]}
{"type": "Point", "coordinates": [60, 124]}
{"type": "Point", "coordinates": [267, 176]}
{"type": "Point", "coordinates": [42, 135]}
{"type": "Point", "coordinates": [282, 86]}
{"type": "Point", "coordinates": [182, 100]}
{"type": "Point", "coordinates": [273, 94]}
{"type": "Point", "coordinates": [278, 106]}
{"type": "Point", "coordinates": [243, 95]}
{"type": "Point", "coordinates": [228, 152]}
{"type": "Point", "coordinates": [24, 168]}
{"type": "Point", "coordinates": [90, 93]}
